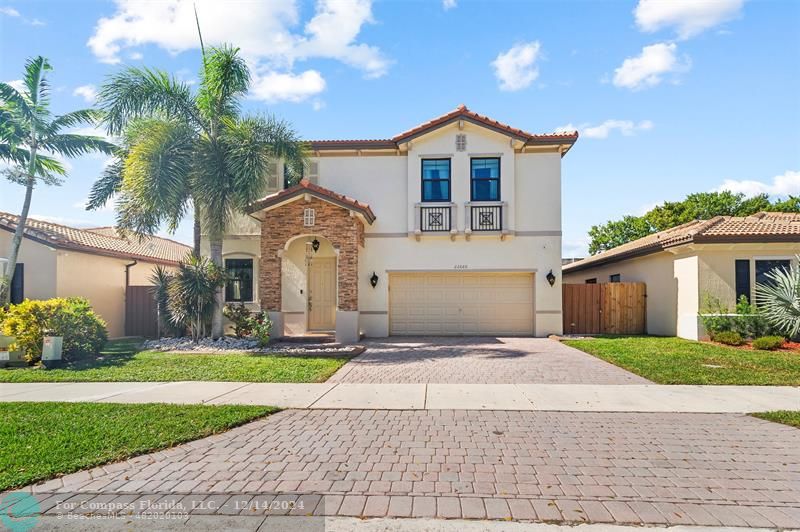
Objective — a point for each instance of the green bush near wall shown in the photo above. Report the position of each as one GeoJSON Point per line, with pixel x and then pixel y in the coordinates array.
{"type": "Point", "coordinates": [84, 332]}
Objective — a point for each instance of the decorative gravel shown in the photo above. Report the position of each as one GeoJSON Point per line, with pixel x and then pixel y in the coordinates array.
{"type": "Point", "coordinates": [230, 344]}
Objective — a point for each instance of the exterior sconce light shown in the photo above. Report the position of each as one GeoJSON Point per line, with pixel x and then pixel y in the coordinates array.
{"type": "Point", "coordinates": [315, 245]}
{"type": "Point", "coordinates": [373, 280]}
{"type": "Point", "coordinates": [551, 278]}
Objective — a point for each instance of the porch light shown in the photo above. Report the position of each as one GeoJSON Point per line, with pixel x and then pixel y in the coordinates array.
{"type": "Point", "coordinates": [551, 278]}
{"type": "Point", "coordinates": [373, 280]}
{"type": "Point", "coordinates": [315, 245]}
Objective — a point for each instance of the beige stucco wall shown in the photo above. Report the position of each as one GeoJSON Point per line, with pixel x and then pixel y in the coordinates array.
{"type": "Point", "coordinates": [679, 282]}
{"type": "Point", "coordinates": [657, 272]}
{"type": "Point", "coordinates": [40, 265]}
{"type": "Point", "coordinates": [717, 267]}
{"type": "Point", "coordinates": [390, 184]}
{"type": "Point", "coordinates": [101, 280]}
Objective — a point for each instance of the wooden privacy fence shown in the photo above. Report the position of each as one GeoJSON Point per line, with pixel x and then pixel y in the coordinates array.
{"type": "Point", "coordinates": [141, 314]}
{"type": "Point", "coordinates": [606, 308]}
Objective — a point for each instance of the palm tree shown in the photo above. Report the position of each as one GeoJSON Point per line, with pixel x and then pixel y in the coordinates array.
{"type": "Point", "coordinates": [778, 299]}
{"type": "Point", "coordinates": [185, 150]}
{"type": "Point", "coordinates": [30, 136]}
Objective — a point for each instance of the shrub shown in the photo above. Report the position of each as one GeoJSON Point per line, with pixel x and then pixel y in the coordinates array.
{"type": "Point", "coordinates": [240, 316]}
{"type": "Point", "coordinates": [728, 338]}
{"type": "Point", "coordinates": [261, 327]}
{"type": "Point", "coordinates": [768, 343]}
{"type": "Point", "coordinates": [188, 295]}
{"type": "Point", "coordinates": [779, 299]}
{"type": "Point", "coordinates": [84, 331]}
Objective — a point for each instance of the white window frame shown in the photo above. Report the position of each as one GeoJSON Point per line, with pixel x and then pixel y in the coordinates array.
{"type": "Point", "coordinates": [309, 217]}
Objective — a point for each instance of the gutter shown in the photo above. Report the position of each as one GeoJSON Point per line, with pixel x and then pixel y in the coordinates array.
{"type": "Point", "coordinates": [127, 284]}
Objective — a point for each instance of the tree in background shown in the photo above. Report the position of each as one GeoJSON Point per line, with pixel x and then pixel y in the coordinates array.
{"type": "Point", "coordinates": [30, 136]}
{"type": "Point", "coordinates": [700, 206]}
{"type": "Point", "coordinates": [187, 150]}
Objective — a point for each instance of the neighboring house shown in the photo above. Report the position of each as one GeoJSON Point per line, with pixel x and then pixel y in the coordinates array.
{"type": "Point", "coordinates": [59, 261]}
{"type": "Point", "coordinates": [687, 266]}
{"type": "Point", "coordinates": [450, 228]}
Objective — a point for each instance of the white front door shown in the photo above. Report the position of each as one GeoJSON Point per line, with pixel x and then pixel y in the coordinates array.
{"type": "Point", "coordinates": [322, 294]}
{"type": "Point", "coordinates": [460, 303]}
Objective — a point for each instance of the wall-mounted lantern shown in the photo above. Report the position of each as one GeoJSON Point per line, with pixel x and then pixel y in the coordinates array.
{"type": "Point", "coordinates": [551, 278]}
{"type": "Point", "coordinates": [373, 280]}
{"type": "Point", "coordinates": [315, 245]}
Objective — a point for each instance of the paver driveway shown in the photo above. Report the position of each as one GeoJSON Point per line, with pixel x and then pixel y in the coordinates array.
{"type": "Point", "coordinates": [708, 469]}
{"type": "Point", "coordinates": [480, 360]}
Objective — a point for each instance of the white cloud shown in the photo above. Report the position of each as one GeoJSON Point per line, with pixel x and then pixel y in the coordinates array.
{"type": "Point", "coordinates": [16, 84]}
{"type": "Point", "coordinates": [317, 104]}
{"type": "Point", "coordinates": [649, 68]}
{"type": "Point", "coordinates": [11, 12]}
{"type": "Point", "coordinates": [516, 69]}
{"type": "Point", "coordinates": [268, 34]}
{"type": "Point", "coordinates": [87, 92]}
{"type": "Point", "coordinates": [602, 131]}
{"type": "Point", "coordinates": [275, 87]}
{"type": "Point", "coordinates": [136, 56]}
{"type": "Point", "coordinates": [786, 184]}
{"type": "Point", "coordinates": [449, 4]}
{"type": "Point", "coordinates": [687, 17]}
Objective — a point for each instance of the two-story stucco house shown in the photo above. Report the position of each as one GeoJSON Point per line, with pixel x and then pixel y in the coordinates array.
{"type": "Point", "coordinates": [452, 227]}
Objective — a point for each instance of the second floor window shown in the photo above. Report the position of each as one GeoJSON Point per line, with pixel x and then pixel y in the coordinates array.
{"type": "Point", "coordinates": [435, 179]}
{"type": "Point", "coordinates": [485, 177]}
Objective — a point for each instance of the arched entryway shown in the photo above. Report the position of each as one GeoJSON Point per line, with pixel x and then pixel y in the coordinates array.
{"type": "Point", "coordinates": [308, 281]}
{"type": "Point", "coordinates": [291, 222]}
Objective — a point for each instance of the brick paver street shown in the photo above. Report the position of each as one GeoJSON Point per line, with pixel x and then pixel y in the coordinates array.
{"type": "Point", "coordinates": [478, 361]}
{"type": "Point", "coordinates": [640, 468]}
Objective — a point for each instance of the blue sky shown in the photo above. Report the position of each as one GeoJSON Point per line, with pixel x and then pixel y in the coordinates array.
{"type": "Point", "coordinates": [670, 97]}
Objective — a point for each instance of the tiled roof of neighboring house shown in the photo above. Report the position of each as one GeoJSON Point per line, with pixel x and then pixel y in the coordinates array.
{"type": "Point", "coordinates": [99, 240]}
{"type": "Point", "coordinates": [459, 113]}
{"type": "Point", "coordinates": [307, 187]}
{"type": "Point", "coordinates": [759, 227]}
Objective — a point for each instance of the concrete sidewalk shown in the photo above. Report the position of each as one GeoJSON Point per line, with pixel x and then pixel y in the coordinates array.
{"type": "Point", "coordinates": [524, 397]}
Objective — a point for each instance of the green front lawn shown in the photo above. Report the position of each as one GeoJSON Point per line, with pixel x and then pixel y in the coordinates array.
{"type": "Point", "coordinates": [679, 361]}
{"type": "Point", "coordinates": [787, 417]}
{"type": "Point", "coordinates": [121, 361]}
{"type": "Point", "coordinates": [43, 440]}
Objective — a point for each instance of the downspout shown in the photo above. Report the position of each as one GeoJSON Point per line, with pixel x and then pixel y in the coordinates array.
{"type": "Point", "coordinates": [127, 283]}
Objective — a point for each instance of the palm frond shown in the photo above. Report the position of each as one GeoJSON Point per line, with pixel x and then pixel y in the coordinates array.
{"type": "Point", "coordinates": [779, 299]}
{"type": "Point", "coordinates": [74, 145]}
{"type": "Point", "coordinates": [74, 119]}
{"type": "Point", "coordinates": [225, 78]}
{"type": "Point", "coordinates": [108, 185]}
{"type": "Point", "coordinates": [14, 102]}
{"type": "Point", "coordinates": [156, 177]}
{"type": "Point", "coordinates": [35, 81]}
{"type": "Point", "coordinates": [137, 93]}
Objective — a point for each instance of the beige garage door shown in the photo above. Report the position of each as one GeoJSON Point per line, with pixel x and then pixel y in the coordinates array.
{"type": "Point", "coordinates": [460, 303]}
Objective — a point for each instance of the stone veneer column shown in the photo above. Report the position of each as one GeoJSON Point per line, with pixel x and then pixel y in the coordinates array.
{"type": "Point", "coordinates": [344, 231]}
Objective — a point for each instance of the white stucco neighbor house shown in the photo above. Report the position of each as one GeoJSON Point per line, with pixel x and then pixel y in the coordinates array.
{"type": "Point", "coordinates": [722, 258]}
{"type": "Point", "coordinates": [450, 228]}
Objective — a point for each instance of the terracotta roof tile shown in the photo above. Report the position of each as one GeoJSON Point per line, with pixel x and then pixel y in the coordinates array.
{"type": "Point", "coordinates": [760, 227]}
{"type": "Point", "coordinates": [460, 112]}
{"type": "Point", "coordinates": [305, 186]}
{"type": "Point", "coordinates": [99, 240]}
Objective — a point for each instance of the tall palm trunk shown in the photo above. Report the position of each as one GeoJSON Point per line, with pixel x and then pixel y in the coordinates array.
{"type": "Point", "coordinates": [215, 244]}
{"type": "Point", "coordinates": [197, 231]}
{"type": "Point", "coordinates": [19, 231]}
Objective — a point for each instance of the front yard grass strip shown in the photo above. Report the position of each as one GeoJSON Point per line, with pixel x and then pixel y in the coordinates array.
{"type": "Point", "coordinates": [787, 417]}
{"type": "Point", "coordinates": [39, 441]}
{"type": "Point", "coordinates": [677, 361]}
{"type": "Point", "coordinates": [121, 361]}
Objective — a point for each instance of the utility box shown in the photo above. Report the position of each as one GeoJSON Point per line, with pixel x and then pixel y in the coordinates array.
{"type": "Point", "coordinates": [51, 351]}
{"type": "Point", "coordinates": [10, 356]}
